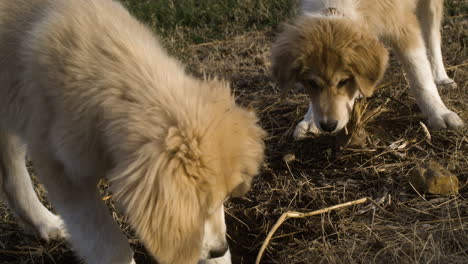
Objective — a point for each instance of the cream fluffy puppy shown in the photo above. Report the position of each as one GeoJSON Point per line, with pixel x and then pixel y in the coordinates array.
{"type": "Point", "coordinates": [335, 50]}
{"type": "Point", "coordinates": [89, 92]}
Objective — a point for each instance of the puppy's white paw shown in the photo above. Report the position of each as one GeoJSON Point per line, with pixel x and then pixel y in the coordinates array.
{"type": "Point", "coordinates": [51, 227]}
{"type": "Point", "coordinates": [446, 83]}
{"type": "Point", "coordinates": [304, 128]}
{"type": "Point", "coordinates": [226, 259]}
{"type": "Point", "coordinates": [447, 120]}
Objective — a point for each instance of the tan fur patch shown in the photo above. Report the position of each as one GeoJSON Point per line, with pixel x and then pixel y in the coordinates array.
{"type": "Point", "coordinates": [325, 47]}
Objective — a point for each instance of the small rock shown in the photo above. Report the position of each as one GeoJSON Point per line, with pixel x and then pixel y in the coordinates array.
{"type": "Point", "coordinates": [433, 178]}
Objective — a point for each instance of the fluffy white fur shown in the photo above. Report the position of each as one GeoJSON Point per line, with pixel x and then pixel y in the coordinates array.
{"type": "Point", "coordinates": [89, 92]}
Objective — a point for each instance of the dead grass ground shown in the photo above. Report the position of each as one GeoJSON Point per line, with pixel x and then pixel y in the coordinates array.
{"type": "Point", "coordinates": [408, 228]}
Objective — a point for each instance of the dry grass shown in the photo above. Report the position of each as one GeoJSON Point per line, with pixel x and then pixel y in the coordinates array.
{"type": "Point", "coordinates": [406, 227]}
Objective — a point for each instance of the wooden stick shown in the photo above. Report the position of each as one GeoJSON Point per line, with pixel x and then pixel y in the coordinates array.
{"type": "Point", "coordinates": [381, 208]}
{"type": "Point", "coordinates": [456, 66]}
{"type": "Point", "coordinates": [426, 131]}
{"type": "Point", "coordinates": [290, 214]}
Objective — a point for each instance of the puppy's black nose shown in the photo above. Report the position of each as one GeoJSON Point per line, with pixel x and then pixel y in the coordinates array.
{"type": "Point", "coordinates": [219, 252]}
{"type": "Point", "coordinates": [328, 126]}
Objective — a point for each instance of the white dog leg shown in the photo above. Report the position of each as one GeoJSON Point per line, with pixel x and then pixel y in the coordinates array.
{"type": "Point", "coordinates": [430, 15]}
{"type": "Point", "coordinates": [19, 194]}
{"type": "Point", "coordinates": [307, 125]}
{"type": "Point", "coordinates": [93, 233]}
{"type": "Point", "coordinates": [423, 88]}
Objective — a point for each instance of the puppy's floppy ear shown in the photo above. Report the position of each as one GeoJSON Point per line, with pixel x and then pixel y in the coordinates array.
{"type": "Point", "coordinates": [161, 197]}
{"type": "Point", "coordinates": [285, 60]}
{"type": "Point", "coordinates": [368, 61]}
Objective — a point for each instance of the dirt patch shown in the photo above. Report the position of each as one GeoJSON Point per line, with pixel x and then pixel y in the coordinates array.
{"type": "Point", "coordinates": [406, 228]}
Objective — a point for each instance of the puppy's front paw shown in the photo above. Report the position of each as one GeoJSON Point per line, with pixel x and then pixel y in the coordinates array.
{"type": "Point", "coordinates": [304, 128]}
{"type": "Point", "coordinates": [446, 120]}
{"type": "Point", "coordinates": [446, 84]}
{"type": "Point", "coordinates": [52, 227]}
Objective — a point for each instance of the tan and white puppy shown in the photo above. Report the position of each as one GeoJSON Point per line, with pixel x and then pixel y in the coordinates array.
{"type": "Point", "coordinates": [335, 50]}
{"type": "Point", "coordinates": [89, 92]}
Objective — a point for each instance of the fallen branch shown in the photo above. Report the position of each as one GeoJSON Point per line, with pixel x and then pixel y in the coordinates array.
{"type": "Point", "coordinates": [287, 215]}
{"type": "Point", "coordinates": [456, 66]}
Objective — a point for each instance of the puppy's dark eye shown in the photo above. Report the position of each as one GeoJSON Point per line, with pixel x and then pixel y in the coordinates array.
{"type": "Point", "coordinates": [343, 82]}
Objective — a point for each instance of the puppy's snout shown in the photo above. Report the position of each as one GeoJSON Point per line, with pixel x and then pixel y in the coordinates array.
{"type": "Point", "coordinates": [219, 252]}
{"type": "Point", "coordinates": [328, 126]}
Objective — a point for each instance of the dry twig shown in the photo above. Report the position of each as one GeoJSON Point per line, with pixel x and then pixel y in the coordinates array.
{"type": "Point", "coordinates": [290, 214]}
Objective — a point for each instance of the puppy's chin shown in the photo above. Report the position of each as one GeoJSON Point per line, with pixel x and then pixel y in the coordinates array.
{"type": "Point", "coordinates": [341, 125]}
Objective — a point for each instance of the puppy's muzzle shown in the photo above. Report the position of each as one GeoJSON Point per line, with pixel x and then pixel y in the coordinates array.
{"type": "Point", "coordinates": [218, 252]}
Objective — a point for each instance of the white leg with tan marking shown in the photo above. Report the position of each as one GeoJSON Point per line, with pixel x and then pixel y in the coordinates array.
{"type": "Point", "coordinates": [423, 88]}
{"type": "Point", "coordinates": [430, 13]}
{"type": "Point", "coordinates": [17, 190]}
{"type": "Point", "coordinates": [93, 232]}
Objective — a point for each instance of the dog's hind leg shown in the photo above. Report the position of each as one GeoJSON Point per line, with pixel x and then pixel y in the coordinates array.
{"type": "Point", "coordinates": [430, 13]}
{"type": "Point", "coordinates": [17, 190]}
{"type": "Point", "coordinates": [307, 125]}
{"type": "Point", "coordinates": [92, 231]}
{"type": "Point", "coordinates": [412, 52]}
